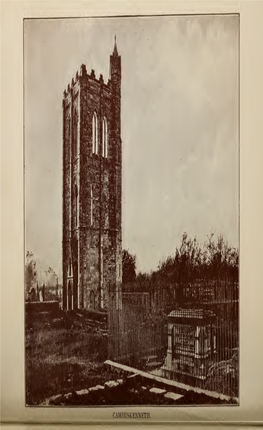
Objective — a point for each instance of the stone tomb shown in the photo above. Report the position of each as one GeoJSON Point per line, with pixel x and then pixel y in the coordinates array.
{"type": "Point", "coordinates": [191, 344]}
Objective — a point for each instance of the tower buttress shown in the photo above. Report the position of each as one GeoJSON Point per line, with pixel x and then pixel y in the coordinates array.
{"type": "Point", "coordinates": [115, 77]}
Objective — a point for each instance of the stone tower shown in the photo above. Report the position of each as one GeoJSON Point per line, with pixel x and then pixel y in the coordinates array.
{"type": "Point", "coordinates": [92, 182]}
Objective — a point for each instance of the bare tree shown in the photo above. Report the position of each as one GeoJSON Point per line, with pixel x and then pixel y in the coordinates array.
{"type": "Point", "coordinates": [30, 272]}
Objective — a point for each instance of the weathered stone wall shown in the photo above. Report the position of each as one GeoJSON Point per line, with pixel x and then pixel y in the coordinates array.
{"type": "Point", "coordinates": [92, 184]}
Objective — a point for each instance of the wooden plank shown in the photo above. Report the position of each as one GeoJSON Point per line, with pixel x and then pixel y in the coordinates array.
{"type": "Point", "coordinates": [170, 383]}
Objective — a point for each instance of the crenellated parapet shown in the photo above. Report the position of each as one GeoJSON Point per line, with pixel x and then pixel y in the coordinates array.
{"type": "Point", "coordinates": [83, 76]}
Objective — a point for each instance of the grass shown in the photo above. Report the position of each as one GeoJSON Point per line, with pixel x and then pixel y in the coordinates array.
{"type": "Point", "coordinates": [63, 359]}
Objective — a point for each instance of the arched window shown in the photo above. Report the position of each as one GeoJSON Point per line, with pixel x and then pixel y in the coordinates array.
{"type": "Point", "coordinates": [75, 134]}
{"type": "Point", "coordinates": [104, 138]}
{"type": "Point", "coordinates": [94, 134]}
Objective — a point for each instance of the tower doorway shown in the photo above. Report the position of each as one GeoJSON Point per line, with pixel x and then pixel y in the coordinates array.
{"type": "Point", "coordinates": [70, 296]}
{"type": "Point", "coordinates": [75, 286]}
{"type": "Point", "coordinates": [92, 300]}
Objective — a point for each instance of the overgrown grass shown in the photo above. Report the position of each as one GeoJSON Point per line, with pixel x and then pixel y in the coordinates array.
{"type": "Point", "coordinates": [60, 360]}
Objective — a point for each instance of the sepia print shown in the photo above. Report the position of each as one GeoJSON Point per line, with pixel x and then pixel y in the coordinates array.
{"type": "Point", "coordinates": [131, 142]}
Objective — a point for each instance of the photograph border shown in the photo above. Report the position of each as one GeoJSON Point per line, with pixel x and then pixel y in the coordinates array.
{"type": "Point", "coordinates": [33, 417]}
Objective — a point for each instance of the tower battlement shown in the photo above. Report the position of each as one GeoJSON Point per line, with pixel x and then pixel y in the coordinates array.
{"type": "Point", "coordinates": [82, 74]}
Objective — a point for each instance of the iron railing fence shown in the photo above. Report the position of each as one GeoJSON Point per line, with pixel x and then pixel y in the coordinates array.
{"type": "Point", "coordinates": [187, 333]}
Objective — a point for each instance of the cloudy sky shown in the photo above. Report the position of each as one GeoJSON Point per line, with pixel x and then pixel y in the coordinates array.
{"type": "Point", "coordinates": [179, 127]}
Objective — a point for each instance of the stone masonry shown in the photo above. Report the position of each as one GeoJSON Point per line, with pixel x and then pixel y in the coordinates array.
{"type": "Point", "coordinates": [92, 182]}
